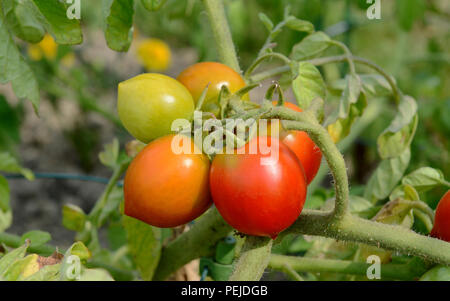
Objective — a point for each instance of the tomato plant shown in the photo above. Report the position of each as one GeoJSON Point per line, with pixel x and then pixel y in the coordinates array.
{"type": "Point", "coordinates": [256, 197]}
{"type": "Point", "coordinates": [379, 119]}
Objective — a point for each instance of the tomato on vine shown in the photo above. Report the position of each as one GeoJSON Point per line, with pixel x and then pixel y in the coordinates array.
{"type": "Point", "coordinates": [149, 103]}
{"type": "Point", "coordinates": [441, 227]}
{"type": "Point", "coordinates": [304, 148]}
{"type": "Point", "coordinates": [165, 189]}
{"type": "Point", "coordinates": [197, 77]}
{"type": "Point", "coordinates": [258, 197]}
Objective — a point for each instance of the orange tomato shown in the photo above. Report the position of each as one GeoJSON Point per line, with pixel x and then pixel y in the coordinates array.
{"type": "Point", "coordinates": [196, 77]}
{"type": "Point", "coordinates": [165, 189]}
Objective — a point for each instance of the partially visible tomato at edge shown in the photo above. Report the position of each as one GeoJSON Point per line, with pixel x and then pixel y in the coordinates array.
{"type": "Point", "coordinates": [196, 77]}
{"type": "Point", "coordinates": [304, 148]}
{"type": "Point", "coordinates": [165, 189]}
{"type": "Point", "coordinates": [441, 228]}
{"type": "Point", "coordinates": [255, 198]}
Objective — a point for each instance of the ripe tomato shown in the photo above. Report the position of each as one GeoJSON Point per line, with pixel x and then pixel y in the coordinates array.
{"type": "Point", "coordinates": [165, 189]}
{"type": "Point", "coordinates": [149, 103]}
{"type": "Point", "coordinates": [259, 198]}
{"type": "Point", "coordinates": [304, 148]}
{"type": "Point", "coordinates": [441, 227]}
{"type": "Point", "coordinates": [198, 76]}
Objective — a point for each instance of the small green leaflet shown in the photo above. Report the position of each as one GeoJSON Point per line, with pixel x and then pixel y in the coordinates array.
{"type": "Point", "coordinates": [144, 242]}
{"type": "Point", "coordinates": [24, 20]}
{"type": "Point", "coordinates": [14, 69]}
{"type": "Point", "coordinates": [308, 85]}
{"type": "Point", "coordinates": [311, 46]}
{"type": "Point", "coordinates": [388, 173]}
{"type": "Point", "coordinates": [118, 23]}
{"type": "Point", "coordinates": [398, 136]}
{"type": "Point", "coordinates": [65, 30]}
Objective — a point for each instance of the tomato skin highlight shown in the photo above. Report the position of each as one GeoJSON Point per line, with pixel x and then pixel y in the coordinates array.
{"type": "Point", "coordinates": [441, 228]}
{"type": "Point", "coordinates": [164, 189]}
{"type": "Point", "coordinates": [148, 104]}
{"type": "Point", "coordinates": [196, 77]}
{"type": "Point", "coordinates": [304, 148]}
{"type": "Point", "coordinates": [256, 199]}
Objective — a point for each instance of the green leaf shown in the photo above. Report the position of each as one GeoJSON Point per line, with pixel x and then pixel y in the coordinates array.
{"type": "Point", "coordinates": [21, 267]}
{"type": "Point", "coordinates": [144, 242]}
{"type": "Point", "coordinates": [374, 85]}
{"type": "Point", "coordinates": [266, 21]}
{"type": "Point", "coordinates": [396, 212]}
{"type": "Point", "coordinates": [9, 164]}
{"type": "Point", "coordinates": [398, 136]}
{"type": "Point", "coordinates": [14, 69]}
{"type": "Point", "coordinates": [342, 126]}
{"type": "Point", "coordinates": [424, 179]}
{"type": "Point", "coordinates": [439, 273]}
{"type": "Point", "coordinates": [95, 275]}
{"type": "Point", "coordinates": [24, 20]}
{"type": "Point", "coordinates": [65, 30]}
{"type": "Point", "coordinates": [80, 250]}
{"type": "Point", "coordinates": [36, 237]}
{"type": "Point", "coordinates": [112, 204]}
{"type": "Point", "coordinates": [9, 125]}
{"type": "Point", "coordinates": [358, 204]}
{"type": "Point", "coordinates": [153, 5]}
{"type": "Point", "coordinates": [311, 46]}
{"type": "Point", "coordinates": [119, 24]}
{"type": "Point", "coordinates": [350, 95]}
{"type": "Point", "coordinates": [47, 273]}
{"type": "Point", "coordinates": [299, 25]}
{"type": "Point", "coordinates": [7, 260]}
{"type": "Point", "coordinates": [409, 11]}
{"type": "Point", "coordinates": [4, 195]}
{"type": "Point", "coordinates": [388, 173]}
{"type": "Point", "coordinates": [5, 220]}
{"type": "Point", "coordinates": [308, 85]}
{"type": "Point", "coordinates": [110, 155]}
{"type": "Point", "coordinates": [73, 218]}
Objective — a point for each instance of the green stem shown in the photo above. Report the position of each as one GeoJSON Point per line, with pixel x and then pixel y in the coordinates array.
{"type": "Point", "coordinates": [253, 259]}
{"type": "Point", "coordinates": [348, 54]}
{"type": "Point", "coordinates": [327, 60]}
{"type": "Point", "coordinates": [288, 270]}
{"type": "Point", "coordinates": [222, 33]}
{"type": "Point", "coordinates": [315, 265]}
{"type": "Point", "coordinates": [15, 241]}
{"type": "Point", "coordinates": [199, 241]}
{"type": "Point", "coordinates": [263, 58]}
{"type": "Point", "coordinates": [96, 211]}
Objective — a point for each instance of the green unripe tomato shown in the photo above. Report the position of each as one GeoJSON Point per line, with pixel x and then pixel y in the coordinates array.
{"type": "Point", "coordinates": [149, 103]}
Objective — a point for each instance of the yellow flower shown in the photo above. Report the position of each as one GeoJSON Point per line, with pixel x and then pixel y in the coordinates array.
{"type": "Point", "coordinates": [154, 54]}
{"type": "Point", "coordinates": [46, 48]}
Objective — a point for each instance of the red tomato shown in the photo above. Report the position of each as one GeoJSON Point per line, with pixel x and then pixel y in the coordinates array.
{"type": "Point", "coordinates": [255, 198]}
{"type": "Point", "coordinates": [165, 189]}
{"type": "Point", "coordinates": [304, 148]}
{"type": "Point", "coordinates": [441, 227]}
{"type": "Point", "coordinates": [196, 77]}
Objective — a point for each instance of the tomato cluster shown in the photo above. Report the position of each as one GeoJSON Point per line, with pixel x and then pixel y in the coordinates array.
{"type": "Point", "coordinates": [256, 192]}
